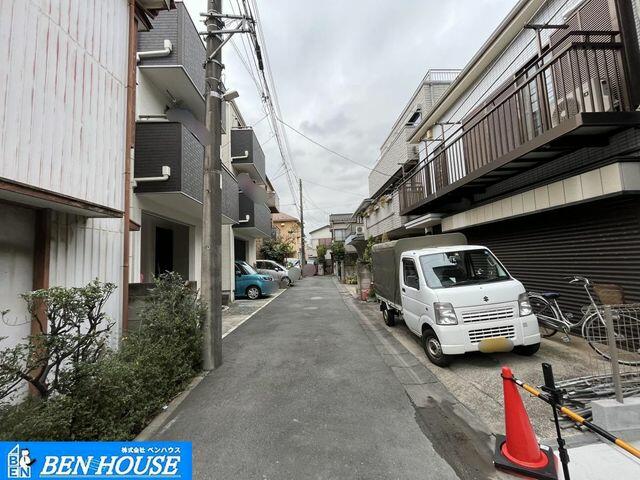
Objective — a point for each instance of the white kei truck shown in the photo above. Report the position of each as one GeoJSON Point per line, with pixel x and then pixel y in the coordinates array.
{"type": "Point", "coordinates": [458, 298]}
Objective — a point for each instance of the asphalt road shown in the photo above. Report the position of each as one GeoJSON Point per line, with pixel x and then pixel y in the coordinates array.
{"type": "Point", "coordinates": [305, 394]}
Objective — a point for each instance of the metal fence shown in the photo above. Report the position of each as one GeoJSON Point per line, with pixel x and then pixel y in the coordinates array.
{"type": "Point", "coordinates": [613, 361]}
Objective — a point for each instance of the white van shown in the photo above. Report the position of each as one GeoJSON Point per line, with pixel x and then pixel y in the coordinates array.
{"type": "Point", "coordinates": [458, 298]}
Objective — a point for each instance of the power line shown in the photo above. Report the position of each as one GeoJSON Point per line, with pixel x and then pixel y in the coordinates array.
{"type": "Point", "coordinates": [331, 188]}
{"type": "Point", "coordinates": [330, 150]}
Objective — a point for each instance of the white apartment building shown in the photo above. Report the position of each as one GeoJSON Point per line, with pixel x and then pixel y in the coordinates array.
{"type": "Point", "coordinates": [381, 212]}
{"type": "Point", "coordinates": [534, 150]}
{"type": "Point", "coordinates": [170, 142]}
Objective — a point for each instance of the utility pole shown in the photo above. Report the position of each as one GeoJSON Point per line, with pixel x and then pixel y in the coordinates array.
{"type": "Point", "coordinates": [212, 195]}
{"type": "Point", "coordinates": [303, 260]}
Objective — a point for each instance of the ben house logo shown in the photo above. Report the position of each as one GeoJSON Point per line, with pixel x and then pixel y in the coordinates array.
{"type": "Point", "coordinates": [50, 460]}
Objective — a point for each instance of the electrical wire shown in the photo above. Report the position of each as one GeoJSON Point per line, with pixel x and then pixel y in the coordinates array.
{"type": "Point", "coordinates": [330, 150]}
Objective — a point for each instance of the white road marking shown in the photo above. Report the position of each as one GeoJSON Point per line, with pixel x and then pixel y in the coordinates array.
{"type": "Point", "coordinates": [273, 297]}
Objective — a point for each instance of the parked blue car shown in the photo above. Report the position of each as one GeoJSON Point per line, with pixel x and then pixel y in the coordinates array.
{"type": "Point", "coordinates": [252, 284]}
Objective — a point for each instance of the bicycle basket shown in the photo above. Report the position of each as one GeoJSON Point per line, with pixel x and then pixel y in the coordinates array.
{"type": "Point", "coordinates": [609, 293]}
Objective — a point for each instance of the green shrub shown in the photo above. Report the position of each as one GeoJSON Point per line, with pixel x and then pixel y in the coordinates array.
{"type": "Point", "coordinates": [115, 396]}
{"type": "Point", "coordinates": [276, 250]}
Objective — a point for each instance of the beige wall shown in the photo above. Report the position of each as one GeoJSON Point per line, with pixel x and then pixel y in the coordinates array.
{"type": "Point", "coordinates": [289, 231]}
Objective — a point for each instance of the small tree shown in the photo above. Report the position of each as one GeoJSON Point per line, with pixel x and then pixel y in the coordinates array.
{"type": "Point", "coordinates": [337, 251]}
{"type": "Point", "coordinates": [73, 331]}
{"type": "Point", "coordinates": [276, 250]}
{"type": "Point", "coordinates": [321, 252]}
{"type": "Point", "coordinates": [366, 256]}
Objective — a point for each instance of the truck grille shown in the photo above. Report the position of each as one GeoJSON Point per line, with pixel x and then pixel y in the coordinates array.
{"type": "Point", "coordinates": [507, 331]}
{"type": "Point", "coordinates": [490, 315]}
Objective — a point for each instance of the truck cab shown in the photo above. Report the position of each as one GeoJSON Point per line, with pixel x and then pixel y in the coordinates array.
{"type": "Point", "coordinates": [458, 299]}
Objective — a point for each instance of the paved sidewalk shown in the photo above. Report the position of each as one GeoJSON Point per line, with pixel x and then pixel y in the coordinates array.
{"type": "Point", "coordinates": [303, 393]}
{"type": "Point", "coordinates": [242, 309]}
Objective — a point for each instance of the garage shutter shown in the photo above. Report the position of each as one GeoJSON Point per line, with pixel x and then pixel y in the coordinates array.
{"type": "Point", "coordinates": [599, 240]}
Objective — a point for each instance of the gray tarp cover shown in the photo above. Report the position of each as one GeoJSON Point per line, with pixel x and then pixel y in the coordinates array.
{"type": "Point", "coordinates": [386, 259]}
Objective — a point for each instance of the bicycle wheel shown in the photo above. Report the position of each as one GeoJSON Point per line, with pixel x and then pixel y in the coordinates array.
{"type": "Point", "coordinates": [595, 332]}
{"type": "Point", "coordinates": [543, 310]}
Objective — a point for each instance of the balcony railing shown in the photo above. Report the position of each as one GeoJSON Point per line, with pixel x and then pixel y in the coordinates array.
{"type": "Point", "coordinates": [581, 74]}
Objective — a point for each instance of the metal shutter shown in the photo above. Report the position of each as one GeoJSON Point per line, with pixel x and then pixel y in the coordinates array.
{"type": "Point", "coordinates": [600, 240]}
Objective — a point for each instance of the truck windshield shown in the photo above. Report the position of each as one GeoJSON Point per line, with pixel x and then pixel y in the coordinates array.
{"type": "Point", "coordinates": [464, 267]}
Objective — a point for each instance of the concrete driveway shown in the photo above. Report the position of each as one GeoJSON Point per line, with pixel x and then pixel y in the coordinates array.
{"type": "Point", "coordinates": [304, 393]}
{"type": "Point", "coordinates": [474, 379]}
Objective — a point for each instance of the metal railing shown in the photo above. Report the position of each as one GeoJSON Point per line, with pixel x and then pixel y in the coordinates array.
{"type": "Point", "coordinates": [446, 75]}
{"type": "Point", "coordinates": [582, 72]}
{"type": "Point", "coordinates": [614, 360]}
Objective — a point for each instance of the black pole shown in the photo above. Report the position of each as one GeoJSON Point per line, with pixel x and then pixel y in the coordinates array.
{"type": "Point", "coordinates": [555, 397]}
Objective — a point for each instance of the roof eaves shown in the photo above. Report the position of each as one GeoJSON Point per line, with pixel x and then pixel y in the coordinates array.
{"type": "Point", "coordinates": [497, 41]}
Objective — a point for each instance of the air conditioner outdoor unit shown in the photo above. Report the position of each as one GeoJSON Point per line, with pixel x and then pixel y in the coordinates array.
{"type": "Point", "coordinates": [598, 89]}
{"type": "Point", "coordinates": [359, 230]}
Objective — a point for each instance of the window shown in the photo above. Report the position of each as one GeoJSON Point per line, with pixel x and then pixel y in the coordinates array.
{"type": "Point", "coordinates": [339, 234]}
{"type": "Point", "coordinates": [464, 267]}
{"type": "Point", "coordinates": [410, 273]}
{"type": "Point", "coordinates": [415, 118]}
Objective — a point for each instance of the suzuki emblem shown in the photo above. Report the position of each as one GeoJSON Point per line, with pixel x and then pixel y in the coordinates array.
{"type": "Point", "coordinates": [486, 299]}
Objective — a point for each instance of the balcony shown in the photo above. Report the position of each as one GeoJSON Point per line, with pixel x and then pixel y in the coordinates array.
{"type": "Point", "coordinates": [230, 198]}
{"type": "Point", "coordinates": [575, 97]}
{"type": "Point", "coordinates": [273, 201]}
{"type": "Point", "coordinates": [169, 144]}
{"type": "Point", "coordinates": [180, 72]}
{"type": "Point", "coordinates": [247, 155]}
{"type": "Point", "coordinates": [255, 218]}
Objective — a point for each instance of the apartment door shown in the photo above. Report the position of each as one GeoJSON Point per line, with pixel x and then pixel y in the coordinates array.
{"type": "Point", "coordinates": [164, 250]}
{"type": "Point", "coordinates": [240, 247]}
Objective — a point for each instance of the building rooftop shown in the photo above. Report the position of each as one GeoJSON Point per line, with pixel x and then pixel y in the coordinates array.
{"type": "Point", "coordinates": [283, 217]}
{"type": "Point", "coordinates": [341, 218]}
{"type": "Point", "coordinates": [319, 228]}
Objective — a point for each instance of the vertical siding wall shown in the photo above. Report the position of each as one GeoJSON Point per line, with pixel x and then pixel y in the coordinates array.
{"type": "Point", "coordinates": [62, 101]}
{"type": "Point", "coordinates": [83, 249]}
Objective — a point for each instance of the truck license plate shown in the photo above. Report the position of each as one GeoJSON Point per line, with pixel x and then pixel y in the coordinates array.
{"type": "Point", "coordinates": [495, 344]}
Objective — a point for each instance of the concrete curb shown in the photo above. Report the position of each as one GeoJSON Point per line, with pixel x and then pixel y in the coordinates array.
{"type": "Point", "coordinates": [157, 425]}
{"type": "Point", "coordinates": [158, 422]}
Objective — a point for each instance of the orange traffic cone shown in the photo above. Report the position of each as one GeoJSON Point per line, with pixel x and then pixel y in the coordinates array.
{"type": "Point", "coordinates": [519, 451]}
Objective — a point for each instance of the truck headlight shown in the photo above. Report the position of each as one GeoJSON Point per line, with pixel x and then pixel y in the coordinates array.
{"type": "Point", "coordinates": [445, 314]}
{"type": "Point", "coordinates": [524, 305]}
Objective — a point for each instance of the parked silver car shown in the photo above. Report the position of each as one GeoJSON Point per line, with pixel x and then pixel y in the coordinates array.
{"type": "Point", "coordinates": [285, 276]}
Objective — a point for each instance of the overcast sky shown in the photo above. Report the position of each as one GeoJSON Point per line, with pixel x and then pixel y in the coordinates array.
{"type": "Point", "coordinates": [343, 71]}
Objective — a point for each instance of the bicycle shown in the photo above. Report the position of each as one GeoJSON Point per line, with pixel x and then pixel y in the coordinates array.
{"type": "Point", "coordinates": [552, 319]}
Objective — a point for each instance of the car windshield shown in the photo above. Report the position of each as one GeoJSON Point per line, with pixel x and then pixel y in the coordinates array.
{"type": "Point", "coordinates": [464, 267]}
{"type": "Point", "coordinates": [248, 269]}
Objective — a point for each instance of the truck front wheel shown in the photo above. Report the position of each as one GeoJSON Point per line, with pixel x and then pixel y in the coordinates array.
{"type": "Point", "coordinates": [389, 316]}
{"type": "Point", "coordinates": [433, 349]}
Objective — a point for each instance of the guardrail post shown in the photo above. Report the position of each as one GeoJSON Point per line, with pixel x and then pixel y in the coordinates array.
{"type": "Point", "coordinates": [613, 350]}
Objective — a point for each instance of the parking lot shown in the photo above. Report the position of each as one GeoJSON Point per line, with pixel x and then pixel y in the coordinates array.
{"type": "Point", "coordinates": [474, 379]}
